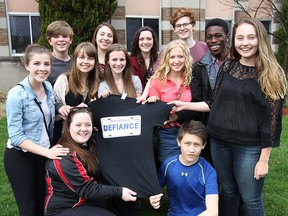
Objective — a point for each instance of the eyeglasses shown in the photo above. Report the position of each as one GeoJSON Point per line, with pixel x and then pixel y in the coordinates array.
{"type": "Point", "coordinates": [185, 25]}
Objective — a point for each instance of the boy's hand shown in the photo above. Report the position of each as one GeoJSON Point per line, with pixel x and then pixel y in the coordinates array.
{"type": "Point", "coordinates": [155, 201]}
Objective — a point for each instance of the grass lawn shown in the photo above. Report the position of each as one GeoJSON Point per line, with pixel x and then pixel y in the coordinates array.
{"type": "Point", "coordinates": [275, 190]}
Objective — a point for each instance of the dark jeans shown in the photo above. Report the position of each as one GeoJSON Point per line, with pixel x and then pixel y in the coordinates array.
{"type": "Point", "coordinates": [234, 164]}
{"type": "Point", "coordinates": [26, 173]}
{"type": "Point", "coordinates": [168, 145]}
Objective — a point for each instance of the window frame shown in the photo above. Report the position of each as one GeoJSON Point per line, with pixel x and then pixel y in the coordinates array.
{"type": "Point", "coordinates": [15, 14]}
{"type": "Point", "coordinates": [142, 24]}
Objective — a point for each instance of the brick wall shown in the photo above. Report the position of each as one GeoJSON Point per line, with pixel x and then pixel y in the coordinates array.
{"type": "Point", "coordinates": [119, 16]}
{"type": "Point", "coordinates": [3, 31]}
{"type": "Point", "coordinates": [3, 37]}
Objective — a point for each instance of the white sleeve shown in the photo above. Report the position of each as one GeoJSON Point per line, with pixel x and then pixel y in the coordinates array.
{"type": "Point", "coordinates": [102, 87]}
{"type": "Point", "coordinates": [137, 83]}
{"type": "Point", "coordinates": [59, 90]}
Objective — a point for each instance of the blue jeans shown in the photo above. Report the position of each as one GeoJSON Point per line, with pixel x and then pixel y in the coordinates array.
{"type": "Point", "coordinates": [234, 164]}
{"type": "Point", "coordinates": [168, 145]}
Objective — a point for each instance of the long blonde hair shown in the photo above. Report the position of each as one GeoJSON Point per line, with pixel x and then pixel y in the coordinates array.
{"type": "Point", "coordinates": [271, 76]}
{"type": "Point", "coordinates": [162, 72]}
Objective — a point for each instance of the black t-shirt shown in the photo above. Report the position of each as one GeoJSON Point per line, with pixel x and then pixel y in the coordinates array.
{"type": "Point", "coordinates": [127, 159]}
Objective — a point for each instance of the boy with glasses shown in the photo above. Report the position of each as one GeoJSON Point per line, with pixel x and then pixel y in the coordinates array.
{"type": "Point", "coordinates": [183, 22]}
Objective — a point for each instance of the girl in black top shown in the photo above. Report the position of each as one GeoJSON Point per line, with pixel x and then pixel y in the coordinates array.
{"type": "Point", "coordinates": [72, 187]}
{"type": "Point", "coordinates": [245, 118]}
{"type": "Point", "coordinates": [78, 86]}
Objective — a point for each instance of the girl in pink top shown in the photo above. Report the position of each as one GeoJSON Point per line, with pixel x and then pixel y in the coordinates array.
{"type": "Point", "coordinates": [171, 82]}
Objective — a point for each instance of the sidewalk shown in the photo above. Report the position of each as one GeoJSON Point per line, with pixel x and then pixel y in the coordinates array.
{"type": "Point", "coordinates": [11, 73]}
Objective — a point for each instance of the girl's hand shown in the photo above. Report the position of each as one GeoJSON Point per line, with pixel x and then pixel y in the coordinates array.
{"type": "Point", "coordinates": [155, 201]}
{"type": "Point", "coordinates": [261, 169]}
{"type": "Point", "coordinates": [82, 105]}
{"type": "Point", "coordinates": [178, 106]}
{"type": "Point", "coordinates": [64, 110]}
{"type": "Point", "coordinates": [152, 99]}
{"type": "Point", "coordinates": [141, 99]}
{"type": "Point", "coordinates": [104, 94]}
{"type": "Point", "coordinates": [128, 195]}
{"type": "Point", "coordinates": [56, 152]}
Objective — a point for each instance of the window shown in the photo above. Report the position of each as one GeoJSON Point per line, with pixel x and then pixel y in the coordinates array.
{"type": "Point", "coordinates": [23, 30]}
{"type": "Point", "coordinates": [134, 23]}
{"type": "Point", "coordinates": [267, 25]}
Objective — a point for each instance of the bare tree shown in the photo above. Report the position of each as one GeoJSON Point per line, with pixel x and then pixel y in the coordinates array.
{"type": "Point", "coordinates": [277, 10]}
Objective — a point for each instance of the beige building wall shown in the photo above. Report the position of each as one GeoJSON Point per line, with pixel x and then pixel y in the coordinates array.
{"type": "Point", "coordinates": [28, 6]}
{"type": "Point", "coordinates": [4, 48]}
{"type": "Point", "coordinates": [203, 9]}
{"type": "Point", "coordinates": [216, 9]}
{"type": "Point", "coordinates": [143, 8]}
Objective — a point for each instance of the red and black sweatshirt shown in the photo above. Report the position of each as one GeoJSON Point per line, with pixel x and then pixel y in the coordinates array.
{"type": "Point", "coordinates": [69, 185]}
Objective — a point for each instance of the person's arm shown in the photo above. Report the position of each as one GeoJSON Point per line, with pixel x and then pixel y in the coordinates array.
{"type": "Point", "coordinates": [143, 97]}
{"type": "Point", "coordinates": [261, 168]}
{"type": "Point", "coordinates": [194, 106]}
{"type": "Point", "coordinates": [200, 92]}
{"type": "Point", "coordinates": [138, 85]}
{"type": "Point", "coordinates": [103, 90]}
{"type": "Point", "coordinates": [155, 200]}
{"type": "Point", "coordinates": [211, 201]}
{"type": "Point", "coordinates": [59, 89]}
{"type": "Point", "coordinates": [56, 152]}
{"type": "Point", "coordinates": [72, 172]}
{"type": "Point", "coordinates": [60, 86]}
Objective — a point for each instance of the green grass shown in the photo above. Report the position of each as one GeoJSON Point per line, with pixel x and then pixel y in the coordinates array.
{"type": "Point", "coordinates": [275, 189]}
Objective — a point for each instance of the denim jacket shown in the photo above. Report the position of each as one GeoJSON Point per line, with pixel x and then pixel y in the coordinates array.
{"type": "Point", "coordinates": [24, 118]}
{"type": "Point", "coordinates": [208, 62]}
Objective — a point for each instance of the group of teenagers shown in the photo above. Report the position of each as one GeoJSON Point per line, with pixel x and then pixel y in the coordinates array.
{"type": "Point", "coordinates": [232, 90]}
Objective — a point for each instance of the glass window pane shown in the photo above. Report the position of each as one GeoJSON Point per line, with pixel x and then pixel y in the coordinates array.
{"type": "Point", "coordinates": [132, 25]}
{"type": "Point", "coordinates": [35, 21]}
{"type": "Point", "coordinates": [20, 33]}
{"type": "Point", "coordinates": [154, 24]}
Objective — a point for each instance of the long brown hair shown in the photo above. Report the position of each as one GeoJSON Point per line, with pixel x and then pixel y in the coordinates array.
{"type": "Point", "coordinates": [128, 85]}
{"type": "Point", "coordinates": [271, 76]}
{"type": "Point", "coordinates": [87, 157]}
{"type": "Point", "coordinates": [92, 81]}
{"type": "Point", "coordinates": [115, 37]}
{"type": "Point", "coordinates": [136, 51]}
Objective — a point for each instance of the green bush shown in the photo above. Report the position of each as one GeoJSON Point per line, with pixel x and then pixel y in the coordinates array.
{"type": "Point", "coordinates": [82, 16]}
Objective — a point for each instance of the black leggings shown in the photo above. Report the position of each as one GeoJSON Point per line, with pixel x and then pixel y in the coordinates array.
{"type": "Point", "coordinates": [85, 211]}
{"type": "Point", "coordinates": [26, 173]}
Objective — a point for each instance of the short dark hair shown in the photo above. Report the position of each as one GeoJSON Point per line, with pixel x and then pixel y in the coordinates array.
{"type": "Point", "coordinates": [217, 22]}
{"type": "Point", "coordinates": [194, 128]}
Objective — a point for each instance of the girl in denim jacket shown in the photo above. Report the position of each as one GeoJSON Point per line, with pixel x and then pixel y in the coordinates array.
{"type": "Point", "coordinates": [30, 117]}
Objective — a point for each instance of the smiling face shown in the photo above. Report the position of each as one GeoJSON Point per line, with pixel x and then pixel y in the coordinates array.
{"type": "Point", "coordinates": [81, 127]}
{"type": "Point", "coordinates": [183, 28]}
{"type": "Point", "coordinates": [216, 40]}
{"type": "Point", "coordinates": [246, 43]}
{"type": "Point", "coordinates": [191, 147]}
{"type": "Point", "coordinates": [104, 38]}
{"type": "Point", "coordinates": [84, 62]}
{"type": "Point", "coordinates": [146, 41]}
{"type": "Point", "coordinates": [60, 43]}
{"type": "Point", "coordinates": [176, 59]}
{"type": "Point", "coordinates": [117, 61]}
{"type": "Point", "coordinates": [39, 67]}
